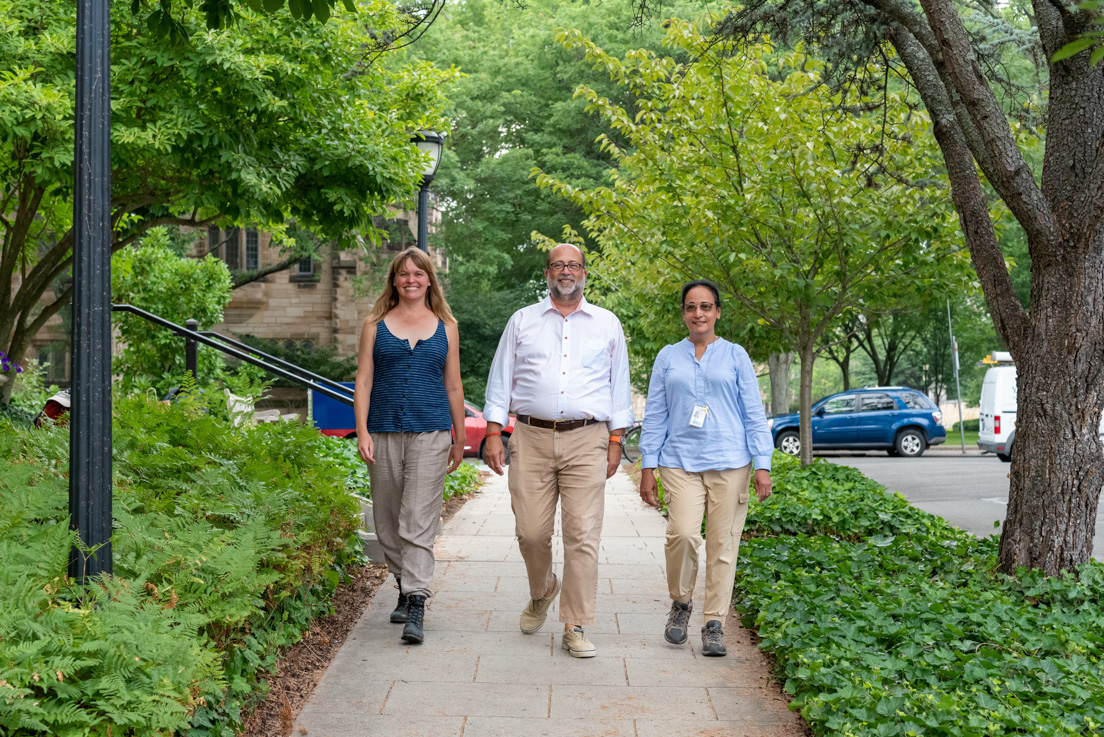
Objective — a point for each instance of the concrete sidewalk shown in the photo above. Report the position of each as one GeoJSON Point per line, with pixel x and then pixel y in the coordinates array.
{"type": "Point", "coordinates": [477, 675]}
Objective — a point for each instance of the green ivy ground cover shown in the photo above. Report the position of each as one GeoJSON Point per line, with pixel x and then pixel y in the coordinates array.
{"type": "Point", "coordinates": [228, 542]}
{"type": "Point", "coordinates": [887, 621]}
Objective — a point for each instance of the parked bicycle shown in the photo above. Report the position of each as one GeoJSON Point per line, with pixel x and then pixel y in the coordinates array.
{"type": "Point", "coordinates": [631, 452]}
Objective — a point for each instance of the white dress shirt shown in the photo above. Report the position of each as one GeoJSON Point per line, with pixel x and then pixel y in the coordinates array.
{"type": "Point", "coordinates": [553, 367]}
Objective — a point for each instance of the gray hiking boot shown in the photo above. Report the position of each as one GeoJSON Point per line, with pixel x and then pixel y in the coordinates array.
{"type": "Point", "coordinates": [713, 639]}
{"type": "Point", "coordinates": [678, 622]}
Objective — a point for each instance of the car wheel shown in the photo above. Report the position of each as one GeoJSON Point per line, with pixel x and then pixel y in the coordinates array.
{"type": "Point", "coordinates": [1005, 457]}
{"type": "Point", "coordinates": [789, 442]}
{"type": "Point", "coordinates": [910, 443]}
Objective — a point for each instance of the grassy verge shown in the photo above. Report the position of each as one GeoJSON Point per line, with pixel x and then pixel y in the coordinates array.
{"type": "Point", "coordinates": [228, 543]}
{"type": "Point", "coordinates": [887, 621]}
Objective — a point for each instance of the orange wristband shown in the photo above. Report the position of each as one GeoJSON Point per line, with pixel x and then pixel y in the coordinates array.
{"type": "Point", "coordinates": [491, 434]}
{"type": "Point", "coordinates": [616, 439]}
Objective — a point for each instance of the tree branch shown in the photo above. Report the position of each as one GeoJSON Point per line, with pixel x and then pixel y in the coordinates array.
{"type": "Point", "coordinates": [248, 277]}
{"type": "Point", "coordinates": [1002, 161]}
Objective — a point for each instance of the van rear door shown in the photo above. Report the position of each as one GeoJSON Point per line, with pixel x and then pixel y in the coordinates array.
{"type": "Point", "coordinates": [988, 405]}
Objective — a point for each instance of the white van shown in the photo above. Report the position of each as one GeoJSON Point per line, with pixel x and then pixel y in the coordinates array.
{"type": "Point", "coordinates": [997, 427]}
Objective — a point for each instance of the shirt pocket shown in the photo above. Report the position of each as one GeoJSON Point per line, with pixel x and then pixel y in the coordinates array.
{"type": "Point", "coordinates": [595, 354]}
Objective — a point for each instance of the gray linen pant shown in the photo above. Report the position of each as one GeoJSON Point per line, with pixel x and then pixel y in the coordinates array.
{"type": "Point", "coordinates": [408, 485]}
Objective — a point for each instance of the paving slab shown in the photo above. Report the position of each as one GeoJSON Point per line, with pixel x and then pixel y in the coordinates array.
{"type": "Point", "coordinates": [477, 675]}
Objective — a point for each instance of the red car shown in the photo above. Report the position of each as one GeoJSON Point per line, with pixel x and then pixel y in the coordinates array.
{"type": "Point", "coordinates": [475, 428]}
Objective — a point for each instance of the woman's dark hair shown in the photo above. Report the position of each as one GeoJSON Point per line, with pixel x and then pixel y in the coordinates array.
{"type": "Point", "coordinates": [711, 286]}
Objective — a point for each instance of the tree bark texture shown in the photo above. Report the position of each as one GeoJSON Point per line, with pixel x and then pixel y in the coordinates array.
{"type": "Point", "coordinates": [1057, 459]}
{"type": "Point", "coordinates": [779, 366]}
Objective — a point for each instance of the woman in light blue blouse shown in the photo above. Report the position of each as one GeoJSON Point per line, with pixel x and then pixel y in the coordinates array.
{"type": "Point", "coordinates": [703, 427]}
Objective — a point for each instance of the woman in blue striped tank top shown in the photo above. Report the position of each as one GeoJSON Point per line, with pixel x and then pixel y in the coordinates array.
{"type": "Point", "coordinates": [408, 399]}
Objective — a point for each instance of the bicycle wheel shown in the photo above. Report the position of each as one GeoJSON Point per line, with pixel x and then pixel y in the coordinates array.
{"type": "Point", "coordinates": [632, 445]}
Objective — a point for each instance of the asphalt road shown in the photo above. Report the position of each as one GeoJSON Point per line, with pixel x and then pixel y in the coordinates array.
{"type": "Point", "coordinates": [970, 492]}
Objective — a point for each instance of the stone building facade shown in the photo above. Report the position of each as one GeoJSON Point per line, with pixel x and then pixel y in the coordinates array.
{"type": "Point", "coordinates": [319, 301]}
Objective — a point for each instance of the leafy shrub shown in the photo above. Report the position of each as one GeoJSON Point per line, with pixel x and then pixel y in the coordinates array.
{"type": "Point", "coordinates": [887, 621]}
{"type": "Point", "coordinates": [30, 392]}
{"type": "Point", "coordinates": [228, 542]}
{"type": "Point", "coordinates": [973, 425]}
{"type": "Point", "coordinates": [154, 278]}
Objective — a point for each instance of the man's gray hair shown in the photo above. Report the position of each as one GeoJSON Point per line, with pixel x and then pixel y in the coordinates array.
{"type": "Point", "coordinates": [548, 260]}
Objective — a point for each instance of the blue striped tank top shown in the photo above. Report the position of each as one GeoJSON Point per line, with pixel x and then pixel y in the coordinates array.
{"type": "Point", "coordinates": [408, 384]}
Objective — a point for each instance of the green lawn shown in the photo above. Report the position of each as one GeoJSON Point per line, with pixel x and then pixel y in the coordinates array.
{"type": "Point", "coordinates": [953, 439]}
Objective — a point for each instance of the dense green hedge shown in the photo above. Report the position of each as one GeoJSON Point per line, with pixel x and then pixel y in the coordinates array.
{"type": "Point", "coordinates": [887, 621]}
{"type": "Point", "coordinates": [228, 542]}
{"type": "Point", "coordinates": [973, 425]}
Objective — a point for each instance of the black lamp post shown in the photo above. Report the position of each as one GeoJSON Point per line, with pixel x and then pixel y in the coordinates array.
{"type": "Point", "coordinates": [90, 416]}
{"type": "Point", "coordinates": [432, 144]}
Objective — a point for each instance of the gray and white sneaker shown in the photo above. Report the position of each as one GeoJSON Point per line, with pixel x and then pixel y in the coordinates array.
{"type": "Point", "coordinates": [713, 639]}
{"type": "Point", "coordinates": [678, 622]}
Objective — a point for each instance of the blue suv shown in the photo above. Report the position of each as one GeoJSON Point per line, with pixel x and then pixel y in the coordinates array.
{"type": "Point", "coordinates": [899, 420]}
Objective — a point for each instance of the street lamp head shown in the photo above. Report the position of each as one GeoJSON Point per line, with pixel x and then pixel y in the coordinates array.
{"type": "Point", "coordinates": [432, 144]}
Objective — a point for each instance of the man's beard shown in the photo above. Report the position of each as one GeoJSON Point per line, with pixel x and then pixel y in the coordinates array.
{"type": "Point", "coordinates": [569, 294]}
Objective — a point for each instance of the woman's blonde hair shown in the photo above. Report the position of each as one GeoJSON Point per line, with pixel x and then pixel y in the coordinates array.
{"type": "Point", "coordinates": [435, 298]}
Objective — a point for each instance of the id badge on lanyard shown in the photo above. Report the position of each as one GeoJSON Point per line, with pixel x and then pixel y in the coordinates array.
{"type": "Point", "coordinates": [697, 418]}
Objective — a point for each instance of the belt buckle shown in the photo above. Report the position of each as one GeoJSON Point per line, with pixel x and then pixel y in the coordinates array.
{"type": "Point", "coordinates": [554, 425]}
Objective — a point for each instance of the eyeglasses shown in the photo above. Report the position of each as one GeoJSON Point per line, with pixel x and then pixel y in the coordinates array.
{"type": "Point", "coordinates": [570, 266]}
{"type": "Point", "coordinates": [706, 307]}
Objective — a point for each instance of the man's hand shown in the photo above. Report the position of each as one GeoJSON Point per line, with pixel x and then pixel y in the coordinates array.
{"type": "Point", "coordinates": [762, 483]}
{"type": "Point", "coordinates": [365, 448]}
{"type": "Point", "coordinates": [494, 454]}
{"type": "Point", "coordinates": [613, 459]}
{"type": "Point", "coordinates": [456, 457]}
{"type": "Point", "coordinates": [649, 489]}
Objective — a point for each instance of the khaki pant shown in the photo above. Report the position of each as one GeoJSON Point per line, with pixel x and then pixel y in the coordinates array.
{"type": "Point", "coordinates": [722, 498]}
{"type": "Point", "coordinates": [408, 486]}
{"type": "Point", "coordinates": [568, 467]}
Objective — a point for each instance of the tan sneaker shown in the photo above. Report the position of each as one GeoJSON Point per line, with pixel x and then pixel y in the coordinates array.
{"type": "Point", "coordinates": [536, 611]}
{"type": "Point", "coordinates": [576, 643]}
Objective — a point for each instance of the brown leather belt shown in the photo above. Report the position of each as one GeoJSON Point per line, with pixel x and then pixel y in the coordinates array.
{"type": "Point", "coordinates": [557, 425]}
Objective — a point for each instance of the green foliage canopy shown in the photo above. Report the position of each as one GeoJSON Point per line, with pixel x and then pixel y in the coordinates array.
{"type": "Point", "coordinates": [268, 120]}
{"type": "Point", "coordinates": [513, 110]}
{"type": "Point", "coordinates": [740, 168]}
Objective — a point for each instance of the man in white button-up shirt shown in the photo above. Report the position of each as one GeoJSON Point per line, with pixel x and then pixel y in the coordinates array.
{"type": "Point", "coordinates": [563, 367]}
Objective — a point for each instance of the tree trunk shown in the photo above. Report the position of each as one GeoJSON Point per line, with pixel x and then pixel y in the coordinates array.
{"type": "Point", "coordinates": [807, 356]}
{"type": "Point", "coordinates": [1057, 457]}
{"type": "Point", "coordinates": [779, 366]}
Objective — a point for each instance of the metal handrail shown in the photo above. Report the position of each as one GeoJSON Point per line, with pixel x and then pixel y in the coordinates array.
{"type": "Point", "coordinates": [337, 386]}
{"type": "Point", "coordinates": [198, 337]}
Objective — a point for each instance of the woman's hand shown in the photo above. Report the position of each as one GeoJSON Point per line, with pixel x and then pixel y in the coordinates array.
{"type": "Point", "coordinates": [762, 483]}
{"type": "Point", "coordinates": [366, 449]}
{"type": "Point", "coordinates": [649, 489]}
{"type": "Point", "coordinates": [456, 457]}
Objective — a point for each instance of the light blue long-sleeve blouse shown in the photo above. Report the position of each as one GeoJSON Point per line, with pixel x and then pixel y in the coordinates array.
{"type": "Point", "coordinates": [735, 429]}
